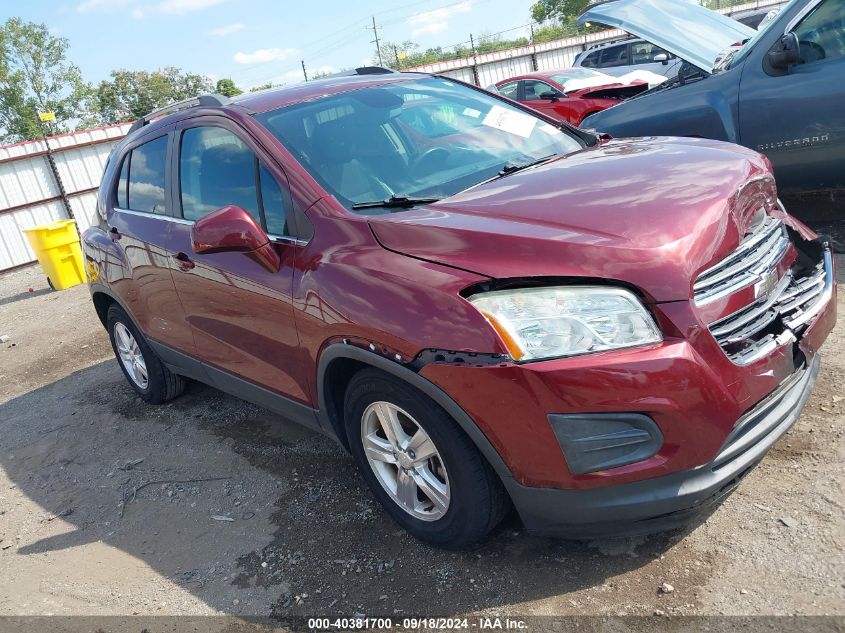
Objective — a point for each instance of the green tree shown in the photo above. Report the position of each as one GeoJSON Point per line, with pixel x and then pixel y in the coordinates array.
{"type": "Point", "coordinates": [35, 76]}
{"type": "Point", "coordinates": [227, 88]}
{"type": "Point", "coordinates": [396, 55]}
{"type": "Point", "coordinates": [266, 86]}
{"type": "Point", "coordinates": [129, 95]}
{"type": "Point", "coordinates": [557, 9]}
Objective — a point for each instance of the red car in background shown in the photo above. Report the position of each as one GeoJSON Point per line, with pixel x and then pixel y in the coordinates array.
{"type": "Point", "coordinates": [569, 94]}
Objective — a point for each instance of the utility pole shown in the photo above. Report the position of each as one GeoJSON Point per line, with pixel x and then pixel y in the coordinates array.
{"type": "Point", "coordinates": [376, 42]}
{"type": "Point", "coordinates": [52, 162]}
{"type": "Point", "coordinates": [304, 72]}
{"type": "Point", "coordinates": [474, 61]}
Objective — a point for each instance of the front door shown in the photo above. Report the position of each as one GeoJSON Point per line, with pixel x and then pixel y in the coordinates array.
{"type": "Point", "coordinates": [240, 312]}
{"type": "Point", "coordinates": [797, 118]}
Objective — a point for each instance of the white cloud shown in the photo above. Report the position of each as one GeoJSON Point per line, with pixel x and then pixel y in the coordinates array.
{"type": "Point", "coordinates": [430, 29]}
{"type": "Point", "coordinates": [264, 55]}
{"type": "Point", "coordinates": [438, 15]}
{"type": "Point", "coordinates": [137, 13]}
{"type": "Point", "coordinates": [181, 7]}
{"type": "Point", "coordinates": [222, 31]}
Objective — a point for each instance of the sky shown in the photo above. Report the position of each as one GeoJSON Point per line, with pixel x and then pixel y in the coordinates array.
{"type": "Point", "coordinates": [256, 41]}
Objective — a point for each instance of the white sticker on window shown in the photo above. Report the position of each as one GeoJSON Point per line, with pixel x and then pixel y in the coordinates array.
{"type": "Point", "coordinates": [551, 130]}
{"type": "Point", "coordinates": [473, 113]}
{"type": "Point", "coordinates": [510, 121]}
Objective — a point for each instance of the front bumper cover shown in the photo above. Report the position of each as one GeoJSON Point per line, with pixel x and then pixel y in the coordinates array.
{"type": "Point", "coordinates": [672, 500]}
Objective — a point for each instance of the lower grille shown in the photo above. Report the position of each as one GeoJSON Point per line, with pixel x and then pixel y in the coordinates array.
{"type": "Point", "coordinates": [775, 319]}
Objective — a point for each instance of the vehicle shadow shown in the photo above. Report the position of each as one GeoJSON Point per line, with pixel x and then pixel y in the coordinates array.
{"type": "Point", "coordinates": [294, 521]}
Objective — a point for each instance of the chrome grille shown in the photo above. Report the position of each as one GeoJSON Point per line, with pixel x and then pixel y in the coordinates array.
{"type": "Point", "coordinates": [758, 253]}
{"type": "Point", "coordinates": [771, 321]}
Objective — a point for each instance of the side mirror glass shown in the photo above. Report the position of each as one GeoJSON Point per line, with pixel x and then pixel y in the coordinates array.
{"type": "Point", "coordinates": [233, 230]}
{"type": "Point", "coordinates": [663, 58]}
{"type": "Point", "coordinates": [550, 96]}
{"type": "Point", "coordinates": [785, 53]}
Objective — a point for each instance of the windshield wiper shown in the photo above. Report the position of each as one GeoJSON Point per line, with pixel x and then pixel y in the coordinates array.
{"type": "Point", "coordinates": [512, 168]}
{"type": "Point", "coordinates": [394, 202]}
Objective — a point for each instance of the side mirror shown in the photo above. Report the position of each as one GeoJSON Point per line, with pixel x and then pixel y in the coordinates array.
{"type": "Point", "coordinates": [785, 53]}
{"type": "Point", "coordinates": [233, 230]}
{"type": "Point", "coordinates": [549, 96]}
{"type": "Point", "coordinates": [663, 58]}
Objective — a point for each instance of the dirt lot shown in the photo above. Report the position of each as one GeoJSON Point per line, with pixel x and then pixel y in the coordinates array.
{"type": "Point", "coordinates": [209, 505]}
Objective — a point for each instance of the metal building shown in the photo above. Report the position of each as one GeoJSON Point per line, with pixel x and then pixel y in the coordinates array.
{"type": "Point", "coordinates": [30, 194]}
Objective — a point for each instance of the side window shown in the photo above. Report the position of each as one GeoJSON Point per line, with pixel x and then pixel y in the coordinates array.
{"type": "Point", "coordinates": [534, 88]}
{"type": "Point", "coordinates": [822, 32]}
{"type": "Point", "coordinates": [273, 203]}
{"type": "Point", "coordinates": [591, 60]}
{"type": "Point", "coordinates": [614, 56]}
{"type": "Point", "coordinates": [644, 52]}
{"type": "Point", "coordinates": [146, 177]}
{"type": "Point", "coordinates": [123, 184]}
{"type": "Point", "coordinates": [216, 169]}
{"type": "Point", "coordinates": [509, 90]}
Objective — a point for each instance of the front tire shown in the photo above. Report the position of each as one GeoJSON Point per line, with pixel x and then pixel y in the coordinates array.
{"type": "Point", "coordinates": [143, 369]}
{"type": "Point", "coordinates": [419, 464]}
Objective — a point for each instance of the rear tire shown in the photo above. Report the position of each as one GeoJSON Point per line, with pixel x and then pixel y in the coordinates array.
{"type": "Point", "coordinates": [459, 498]}
{"type": "Point", "coordinates": [143, 369]}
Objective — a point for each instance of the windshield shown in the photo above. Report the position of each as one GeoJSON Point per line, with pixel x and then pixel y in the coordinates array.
{"type": "Point", "coordinates": [737, 56]}
{"type": "Point", "coordinates": [577, 74]}
{"type": "Point", "coordinates": [421, 138]}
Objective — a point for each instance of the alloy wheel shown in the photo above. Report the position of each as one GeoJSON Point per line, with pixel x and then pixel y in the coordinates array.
{"type": "Point", "coordinates": [130, 355]}
{"type": "Point", "coordinates": [405, 461]}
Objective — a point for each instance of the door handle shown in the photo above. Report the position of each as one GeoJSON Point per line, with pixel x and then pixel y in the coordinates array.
{"type": "Point", "coordinates": [183, 262]}
{"type": "Point", "coordinates": [114, 234]}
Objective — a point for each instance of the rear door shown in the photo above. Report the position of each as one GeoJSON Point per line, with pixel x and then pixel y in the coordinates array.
{"type": "Point", "coordinates": [803, 130]}
{"type": "Point", "coordinates": [241, 313]}
{"type": "Point", "coordinates": [140, 224]}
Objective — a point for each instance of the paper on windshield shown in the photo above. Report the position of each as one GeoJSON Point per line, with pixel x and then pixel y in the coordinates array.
{"type": "Point", "coordinates": [510, 121]}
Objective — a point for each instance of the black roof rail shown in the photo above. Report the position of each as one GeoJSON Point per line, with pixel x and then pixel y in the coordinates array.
{"type": "Point", "coordinates": [363, 70]}
{"type": "Point", "coordinates": [609, 42]}
{"type": "Point", "coordinates": [201, 100]}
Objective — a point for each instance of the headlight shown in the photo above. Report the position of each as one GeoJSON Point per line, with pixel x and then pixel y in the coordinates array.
{"type": "Point", "coordinates": [537, 323]}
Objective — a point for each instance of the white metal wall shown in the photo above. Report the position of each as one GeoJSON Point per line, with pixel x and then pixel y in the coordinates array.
{"type": "Point", "coordinates": [29, 194]}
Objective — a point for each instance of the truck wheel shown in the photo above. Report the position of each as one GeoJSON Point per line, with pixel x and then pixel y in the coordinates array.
{"type": "Point", "coordinates": [420, 465]}
{"type": "Point", "coordinates": [147, 375]}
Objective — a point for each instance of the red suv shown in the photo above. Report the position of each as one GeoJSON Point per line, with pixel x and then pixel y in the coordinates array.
{"type": "Point", "coordinates": [484, 306]}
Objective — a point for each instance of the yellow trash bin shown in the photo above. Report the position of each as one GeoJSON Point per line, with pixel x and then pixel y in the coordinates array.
{"type": "Point", "coordinates": [57, 247]}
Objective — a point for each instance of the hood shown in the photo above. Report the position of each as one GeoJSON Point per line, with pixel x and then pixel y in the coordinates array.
{"type": "Point", "coordinates": [601, 80]}
{"type": "Point", "coordinates": [682, 27]}
{"type": "Point", "coordinates": [648, 212]}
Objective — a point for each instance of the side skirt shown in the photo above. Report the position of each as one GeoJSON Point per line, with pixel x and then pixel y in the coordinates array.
{"type": "Point", "coordinates": [190, 367]}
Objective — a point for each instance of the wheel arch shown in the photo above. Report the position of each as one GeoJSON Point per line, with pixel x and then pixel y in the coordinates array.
{"type": "Point", "coordinates": [339, 362]}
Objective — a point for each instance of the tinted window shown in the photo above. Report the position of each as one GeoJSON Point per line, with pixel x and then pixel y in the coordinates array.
{"type": "Point", "coordinates": [822, 32]}
{"type": "Point", "coordinates": [216, 169]}
{"type": "Point", "coordinates": [614, 56]}
{"type": "Point", "coordinates": [273, 203]}
{"type": "Point", "coordinates": [644, 52]}
{"type": "Point", "coordinates": [509, 90]}
{"type": "Point", "coordinates": [534, 88]}
{"type": "Point", "coordinates": [146, 176]}
{"type": "Point", "coordinates": [591, 60]}
{"type": "Point", "coordinates": [122, 184]}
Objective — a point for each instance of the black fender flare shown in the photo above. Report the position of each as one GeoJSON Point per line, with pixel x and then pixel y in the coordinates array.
{"type": "Point", "coordinates": [345, 351]}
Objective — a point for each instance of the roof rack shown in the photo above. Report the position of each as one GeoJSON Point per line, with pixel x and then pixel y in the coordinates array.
{"type": "Point", "coordinates": [201, 100]}
{"type": "Point", "coordinates": [364, 70]}
{"type": "Point", "coordinates": [609, 42]}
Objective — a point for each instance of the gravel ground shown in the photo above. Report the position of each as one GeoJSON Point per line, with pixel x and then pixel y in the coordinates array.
{"type": "Point", "coordinates": [210, 505]}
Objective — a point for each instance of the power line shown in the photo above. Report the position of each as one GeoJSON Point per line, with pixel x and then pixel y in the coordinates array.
{"type": "Point", "coordinates": [376, 42]}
